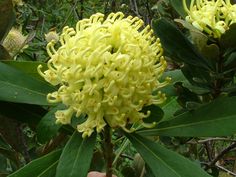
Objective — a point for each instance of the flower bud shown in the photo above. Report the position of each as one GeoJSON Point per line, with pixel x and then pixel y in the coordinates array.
{"type": "Point", "coordinates": [14, 42]}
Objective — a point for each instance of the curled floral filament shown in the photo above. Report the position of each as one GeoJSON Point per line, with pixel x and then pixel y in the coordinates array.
{"type": "Point", "coordinates": [211, 16]}
{"type": "Point", "coordinates": [106, 69]}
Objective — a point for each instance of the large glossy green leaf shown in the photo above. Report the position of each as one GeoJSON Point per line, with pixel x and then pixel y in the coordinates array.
{"type": "Point", "coordinates": [163, 162]}
{"type": "Point", "coordinates": [16, 86]}
{"type": "Point", "coordinates": [28, 67]}
{"type": "Point", "coordinates": [217, 118]}
{"type": "Point", "coordinates": [6, 17]}
{"type": "Point", "coordinates": [48, 125]}
{"type": "Point", "coordinates": [76, 156]}
{"type": "Point", "coordinates": [42, 167]}
{"type": "Point", "coordinates": [177, 45]}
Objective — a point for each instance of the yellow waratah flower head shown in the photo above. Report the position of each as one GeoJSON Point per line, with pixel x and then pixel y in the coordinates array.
{"type": "Point", "coordinates": [14, 42]}
{"type": "Point", "coordinates": [106, 69]}
{"type": "Point", "coordinates": [211, 16]}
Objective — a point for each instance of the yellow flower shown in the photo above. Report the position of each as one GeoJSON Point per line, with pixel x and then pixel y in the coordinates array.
{"type": "Point", "coordinates": [106, 69]}
{"type": "Point", "coordinates": [211, 16]}
{"type": "Point", "coordinates": [14, 42]}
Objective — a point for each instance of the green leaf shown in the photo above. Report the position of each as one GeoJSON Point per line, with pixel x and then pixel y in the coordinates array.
{"type": "Point", "coordinates": [6, 17]}
{"type": "Point", "coordinates": [178, 6]}
{"type": "Point", "coordinates": [177, 45]}
{"type": "Point", "coordinates": [26, 113]}
{"type": "Point", "coordinates": [170, 108]}
{"type": "Point", "coordinates": [211, 52]}
{"type": "Point", "coordinates": [41, 167]}
{"type": "Point", "coordinates": [228, 39]}
{"type": "Point", "coordinates": [156, 113]}
{"type": "Point", "coordinates": [28, 67]}
{"type": "Point", "coordinates": [217, 118]}
{"type": "Point", "coordinates": [176, 76]}
{"type": "Point", "coordinates": [48, 124]}
{"type": "Point", "coordinates": [16, 86]}
{"type": "Point", "coordinates": [76, 156]}
{"type": "Point", "coordinates": [163, 162]}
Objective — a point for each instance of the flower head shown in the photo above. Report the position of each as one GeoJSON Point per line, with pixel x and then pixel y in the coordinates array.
{"type": "Point", "coordinates": [14, 42]}
{"type": "Point", "coordinates": [106, 69]}
{"type": "Point", "coordinates": [211, 16]}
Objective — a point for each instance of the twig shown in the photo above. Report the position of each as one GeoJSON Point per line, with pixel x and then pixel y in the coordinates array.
{"type": "Point", "coordinates": [127, 156]}
{"type": "Point", "coordinates": [70, 12]}
{"type": "Point", "coordinates": [226, 170]}
{"type": "Point", "coordinates": [208, 150]}
{"type": "Point", "coordinates": [81, 9]}
{"type": "Point", "coordinates": [211, 139]}
{"type": "Point", "coordinates": [148, 17]}
{"type": "Point", "coordinates": [113, 6]}
{"type": "Point", "coordinates": [134, 8]}
{"type": "Point", "coordinates": [55, 142]}
{"type": "Point", "coordinates": [124, 145]}
{"type": "Point", "coordinates": [106, 7]}
{"type": "Point", "coordinates": [221, 154]}
{"type": "Point", "coordinates": [22, 138]}
{"type": "Point", "coordinates": [108, 150]}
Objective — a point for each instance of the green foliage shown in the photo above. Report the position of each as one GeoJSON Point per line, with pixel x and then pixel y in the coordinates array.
{"type": "Point", "coordinates": [41, 167]}
{"type": "Point", "coordinates": [184, 51]}
{"type": "Point", "coordinates": [164, 162]}
{"type": "Point", "coordinates": [47, 124]}
{"type": "Point", "coordinates": [16, 86]}
{"type": "Point", "coordinates": [204, 121]}
{"type": "Point", "coordinates": [76, 156]}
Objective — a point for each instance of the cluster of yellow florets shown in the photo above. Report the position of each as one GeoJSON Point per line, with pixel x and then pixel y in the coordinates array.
{"type": "Point", "coordinates": [211, 16]}
{"type": "Point", "coordinates": [15, 42]}
{"type": "Point", "coordinates": [106, 69]}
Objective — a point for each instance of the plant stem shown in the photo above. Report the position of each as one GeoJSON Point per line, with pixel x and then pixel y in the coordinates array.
{"type": "Point", "coordinates": [108, 151]}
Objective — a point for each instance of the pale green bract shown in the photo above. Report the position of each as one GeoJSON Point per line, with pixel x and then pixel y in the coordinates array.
{"type": "Point", "coordinates": [211, 16]}
{"type": "Point", "coordinates": [106, 69]}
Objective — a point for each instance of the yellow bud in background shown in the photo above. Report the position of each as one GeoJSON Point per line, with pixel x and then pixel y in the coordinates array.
{"type": "Point", "coordinates": [17, 2]}
{"type": "Point", "coordinates": [14, 42]}
{"type": "Point", "coordinates": [52, 35]}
